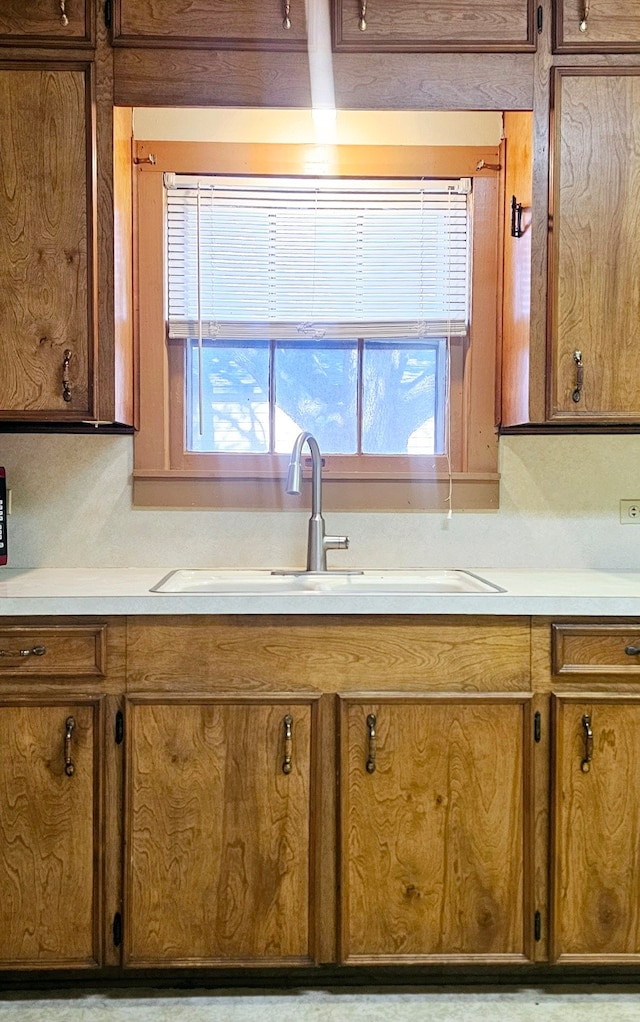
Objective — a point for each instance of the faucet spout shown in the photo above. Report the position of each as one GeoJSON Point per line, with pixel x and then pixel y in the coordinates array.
{"type": "Point", "coordinates": [294, 475]}
{"type": "Point", "coordinates": [317, 542]}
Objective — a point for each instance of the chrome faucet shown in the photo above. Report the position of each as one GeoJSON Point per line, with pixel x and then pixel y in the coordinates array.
{"type": "Point", "coordinates": [318, 543]}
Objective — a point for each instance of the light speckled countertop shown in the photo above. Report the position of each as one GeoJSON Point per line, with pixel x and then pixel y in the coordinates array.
{"type": "Point", "coordinates": [100, 591]}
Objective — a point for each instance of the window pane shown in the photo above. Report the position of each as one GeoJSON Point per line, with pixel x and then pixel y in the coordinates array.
{"type": "Point", "coordinates": [235, 397]}
{"type": "Point", "coordinates": [402, 400]}
{"type": "Point", "coordinates": [316, 389]}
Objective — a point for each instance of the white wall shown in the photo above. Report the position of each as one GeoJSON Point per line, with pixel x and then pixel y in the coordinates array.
{"type": "Point", "coordinates": [361, 127]}
{"type": "Point", "coordinates": [559, 509]}
{"type": "Point", "coordinates": [559, 495]}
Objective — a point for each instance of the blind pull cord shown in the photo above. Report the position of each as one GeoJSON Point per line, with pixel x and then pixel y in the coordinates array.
{"type": "Point", "coordinates": [199, 272]}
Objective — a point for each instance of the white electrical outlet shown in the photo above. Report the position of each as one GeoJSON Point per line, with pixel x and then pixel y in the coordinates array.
{"type": "Point", "coordinates": [630, 512]}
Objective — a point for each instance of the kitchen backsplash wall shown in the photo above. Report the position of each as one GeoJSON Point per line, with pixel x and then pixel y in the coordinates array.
{"type": "Point", "coordinates": [559, 509]}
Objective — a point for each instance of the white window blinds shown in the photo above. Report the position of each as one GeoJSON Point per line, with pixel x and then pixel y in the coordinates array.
{"type": "Point", "coordinates": [290, 258]}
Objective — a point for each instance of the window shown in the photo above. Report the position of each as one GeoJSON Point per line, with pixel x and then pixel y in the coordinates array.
{"type": "Point", "coordinates": [361, 308]}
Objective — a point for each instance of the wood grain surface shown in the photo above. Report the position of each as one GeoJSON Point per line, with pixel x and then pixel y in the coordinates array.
{"type": "Point", "coordinates": [595, 651]}
{"type": "Point", "coordinates": [214, 23]}
{"type": "Point", "coordinates": [44, 202]}
{"type": "Point", "coordinates": [443, 24]}
{"type": "Point", "coordinates": [40, 21]}
{"type": "Point", "coordinates": [217, 835]}
{"type": "Point", "coordinates": [596, 830]}
{"type": "Point", "coordinates": [433, 841]}
{"type": "Point", "coordinates": [329, 653]}
{"type": "Point", "coordinates": [596, 252]}
{"type": "Point", "coordinates": [49, 836]}
{"type": "Point", "coordinates": [70, 651]}
{"type": "Point", "coordinates": [613, 26]}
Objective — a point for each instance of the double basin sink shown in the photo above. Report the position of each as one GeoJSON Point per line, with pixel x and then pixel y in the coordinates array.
{"type": "Point", "coordinates": [436, 582]}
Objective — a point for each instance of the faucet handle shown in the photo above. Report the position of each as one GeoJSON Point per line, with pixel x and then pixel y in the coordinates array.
{"type": "Point", "coordinates": [336, 542]}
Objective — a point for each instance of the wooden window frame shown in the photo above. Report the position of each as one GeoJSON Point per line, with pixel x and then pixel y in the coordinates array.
{"type": "Point", "coordinates": [165, 475]}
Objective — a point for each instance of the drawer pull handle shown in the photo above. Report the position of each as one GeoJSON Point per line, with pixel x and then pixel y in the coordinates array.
{"type": "Point", "coordinates": [288, 743]}
{"type": "Point", "coordinates": [286, 21]}
{"type": "Point", "coordinates": [371, 759]}
{"type": "Point", "coordinates": [362, 23]}
{"type": "Point", "coordinates": [632, 650]}
{"type": "Point", "coordinates": [69, 766]}
{"type": "Point", "coordinates": [63, 13]}
{"type": "Point", "coordinates": [585, 766]}
{"type": "Point", "coordinates": [584, 23]}
{"type": "Point", "coordinates": [13, 654]}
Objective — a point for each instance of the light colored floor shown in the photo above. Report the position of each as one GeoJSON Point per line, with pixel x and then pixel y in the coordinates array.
{"type": "Point", "coordinates": [587, 1004]}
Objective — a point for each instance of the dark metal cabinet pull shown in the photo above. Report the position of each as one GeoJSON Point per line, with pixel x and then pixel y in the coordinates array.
{"type": "Point", "coordinates": [69, 766]}
{"type": "Point", "coordinates": [577, 391]}
{"type": "Point", "coordinates": [516, 218]}
{"type": "Point", "coordinates": [362, 23]}
{"type": "Point", "coordinates": [632, 650]}
{"type": "Point", "coordinates": [371, 727]}
{"type": "Point", "coordinates": [14, 653]}
{"type": "Point", "coordinates": [288, 743]}
{"type": "Point", "coordinates": [66, 385]}
{"type": "Point", "coordinates": [585, 766]}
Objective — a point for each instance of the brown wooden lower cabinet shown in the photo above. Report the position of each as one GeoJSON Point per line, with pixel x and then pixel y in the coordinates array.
{"type": "Point", "coordinates": [435, 829]}
{"type": "Point", "coordinates": [218, 831]}
{"type": "Point", "coordinates": [257, 805]}
{"type": "Point", "coordinates": [596, 828]}
{"type": "Point", "coordinates": [50, 836]}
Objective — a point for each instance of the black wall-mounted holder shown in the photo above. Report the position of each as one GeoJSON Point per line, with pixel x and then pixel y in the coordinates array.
{"type": "Point", "coordinates": [516, 218]}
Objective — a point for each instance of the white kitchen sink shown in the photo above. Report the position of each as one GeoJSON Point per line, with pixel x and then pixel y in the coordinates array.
{"type": "Point", "coordinates": [420, 582]}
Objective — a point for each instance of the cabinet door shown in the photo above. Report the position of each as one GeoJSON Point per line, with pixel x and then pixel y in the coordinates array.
{"type": "Point", "coordinates": [605, 26]}
{"type": "Point", "coordinates": [253, 24]}
{"type": "Point", "coordinates": [595, 259]}
{"type": "Point", "coordinates": [415, 25]}
{"type": "Point", "coordinates": [596, 829]}
{"type": "Point", "coordinates": [50, 839]}
{"type": "Point", "coordinates": [435, 826]}
{"type": "Point", "coordinates": [46, 22]}
{"type": "Point", "coordinates": [46, 264]}
{"type": "Point", "coordinates": [218, 832]}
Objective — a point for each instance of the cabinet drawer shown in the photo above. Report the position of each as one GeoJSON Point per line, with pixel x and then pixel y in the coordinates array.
{"type": "Point", "coordinates": [444, 25]}
{"type": "Point", "coordinates": [46, 23]}
{"type": "Point", "coordinates": [218, 24]}
{"type": "Point", "coordinates": [609, 26]}
{"type": "Point", "coordinates": [595, 650]}
{"type": "Point", "coordinates": [69, 651]}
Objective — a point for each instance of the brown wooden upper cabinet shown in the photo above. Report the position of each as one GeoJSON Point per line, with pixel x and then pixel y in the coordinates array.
{"type": "Point", "coordinates": [595, 246]}
{"type": "Point", "coordinates": [596, 26]}
{"type": "Point", "coordinates": [46, 245]}
{"type": "Point", "coordinates": [216, 24]}
{"type": "Point", "coordinates": [416, 25]}
{"type": "Point", "coordinates": [61, 360]}
{"type": "Point", "coordinates": [47, 23]}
